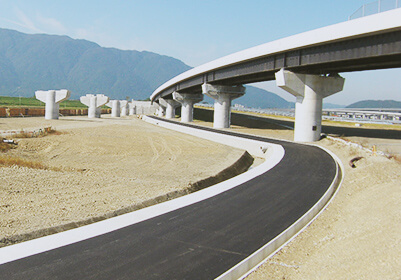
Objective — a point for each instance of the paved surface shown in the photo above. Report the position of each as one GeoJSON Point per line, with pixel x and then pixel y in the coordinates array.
{"type": "Point", "coordinates": [200, 241]}
{"type": "Point", "coordinates": [265, 122]}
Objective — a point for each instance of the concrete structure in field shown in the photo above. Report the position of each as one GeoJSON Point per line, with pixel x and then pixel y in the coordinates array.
{"type": "Point", "coordinates": [131, 108]}
{"type": "Point", "coordinates": [124, 108]}
{"type": "Point", "coordinates": [223, 95]}
{"type": "Point", "coordinates": [52, 99]}
{"type": "Point", "coordinates": [309, 91]}
{"type": "Point", "coordinates": [143, 107]}
{"type": "Point", "coordinates": [162, 105]}
{"type": "Point", "coordinates": [115, 108]}
{"type": "Point", "coordinates": [187, 104]}
{"type": "Point", "coordinates": [171, 106]}
{"type": "Point", "coordinates": [94, 102]}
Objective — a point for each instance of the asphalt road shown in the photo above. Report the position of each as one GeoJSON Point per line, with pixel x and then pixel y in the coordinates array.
{"type": "Point", "coordinates": [265, 122]}
{"type": "Point", "coordinates": [200, 241]}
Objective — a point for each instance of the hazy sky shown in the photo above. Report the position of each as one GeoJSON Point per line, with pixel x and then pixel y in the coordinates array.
{"type": "Point", "coordinates": [198, 31]}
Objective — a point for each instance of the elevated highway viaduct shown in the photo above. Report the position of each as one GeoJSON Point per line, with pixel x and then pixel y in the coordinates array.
{"type": "Point", "coordinates": [306, 65]}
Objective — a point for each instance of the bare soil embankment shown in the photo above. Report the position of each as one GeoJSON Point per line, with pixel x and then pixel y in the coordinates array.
{"type": "Point", "coordinates": [96, 168]}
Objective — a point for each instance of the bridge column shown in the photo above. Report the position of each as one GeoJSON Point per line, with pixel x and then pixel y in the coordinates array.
{"type": "Point", "coordinates": [94, 102]}
{"type": "Point", "coordinates": [171, 105]}
{"type": "Point", "coordinates": [222, 104]}
{"type": "Point", "coordinates": [162, 105]}
{"type": "Point", "coordinates": [187, 101]}
{"type": "Point", "coordinates": [52, 99]}
{"type": "Point", "coordinates": [309, 91]}
{"type": "Point", "coordinates": [115, 108]}
{"type": "Point", "coordinates": [132, 108]}
{"type": "Point", "coordinates": [124, 108]}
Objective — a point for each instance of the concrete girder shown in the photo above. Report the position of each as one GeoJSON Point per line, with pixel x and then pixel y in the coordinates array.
{"type": "Point", "coordinates": [309, 91]}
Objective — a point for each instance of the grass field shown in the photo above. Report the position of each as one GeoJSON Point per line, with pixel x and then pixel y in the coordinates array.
{"type": "Point", "coordinates": [7, 101]}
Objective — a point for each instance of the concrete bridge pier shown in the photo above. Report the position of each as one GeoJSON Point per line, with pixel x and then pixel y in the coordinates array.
{"type": "Point", "coordinates": [223, 95]}
{"type": "Point", "coordinates": [94, 102]}
{"type": "Point", "coordinates": [132, 108]}
{"type": "Point", "coordinates": [187, 101]}
{"type": "Point", "coordinates": [52, 99]}
{"type": "Point", "coordinates": [161, 110]}
{"type": "Point", "coordinates": [309, 91]}
{"type": "Point", "coordinates": [115, 108]}
{"type": "Point", "coordinates": [171, 105]}
{"type": "Point", "coordinates": [98, 112]}
{"type": "Point", "coordinates": [124, 108]}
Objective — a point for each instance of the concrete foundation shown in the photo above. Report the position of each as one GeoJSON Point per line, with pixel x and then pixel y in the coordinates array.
{"type": "Point", "coordinates": [52, 99]}
{"type": "Point", "coordinates": [223, 95]}
{"type": "Point", "coordinates": [94, 102]}
{"type": "Point", "coordinates": [309, 91]}
{"type": "Point", "coordinates": [187, 101]}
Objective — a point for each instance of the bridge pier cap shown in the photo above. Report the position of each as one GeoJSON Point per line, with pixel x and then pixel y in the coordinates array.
{"type": "Point", "coordinates": [187, 101]}
{"type": "Point", "coordinates": [52, 99]}
{"type": "Point", "coordinates": [171, 105]}
{"type": "Point", "coordinates": [94, 102]}
{"type": "Point", "coordinates": [309, 91]}
{"type": "Point", "coordinates": [223, 95]}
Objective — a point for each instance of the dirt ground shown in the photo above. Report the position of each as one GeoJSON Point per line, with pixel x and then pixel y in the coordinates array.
{"type": "Point", "coordinates": [96, 167]}
{"type": "Point", "coordinates": [107, 164]}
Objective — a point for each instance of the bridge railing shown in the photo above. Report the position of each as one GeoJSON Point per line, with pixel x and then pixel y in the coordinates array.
{"type": "Point", "coordinates": [375, 7]}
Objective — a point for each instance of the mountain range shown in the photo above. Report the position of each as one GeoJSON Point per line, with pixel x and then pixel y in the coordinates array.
{"type": "Point", "coordinates": [30, 62]}
{"type": "Point", "coordinates": [376, 104]}
{"type": "Point", "coordinates": [33, 62]}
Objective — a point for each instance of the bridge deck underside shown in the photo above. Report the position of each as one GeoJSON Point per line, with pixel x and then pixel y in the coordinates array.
{"type": "Point", "coordinates": [379, 51]}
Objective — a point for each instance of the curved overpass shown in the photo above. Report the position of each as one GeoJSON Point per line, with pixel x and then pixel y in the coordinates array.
{"type": "Point", "coordinates": [222, 234]}
{"type": "Point", "coordinates": [372, 42]}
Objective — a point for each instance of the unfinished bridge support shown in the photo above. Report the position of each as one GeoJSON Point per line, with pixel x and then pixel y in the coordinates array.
{"type": "Point", "coordinates": [115, 108]}
{"type": "Point", "coordinates": [52, 99]}
{"type": "Point", "coordinates": [94, 102]}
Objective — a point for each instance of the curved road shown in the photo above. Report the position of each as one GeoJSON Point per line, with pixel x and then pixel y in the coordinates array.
{"type": "Point", "coordinates": [200, 241]}
{"type": "Point", "coordinates": [251, 121]}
